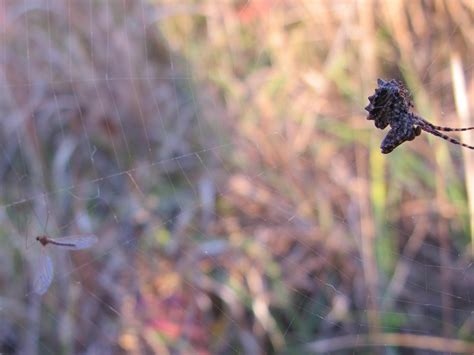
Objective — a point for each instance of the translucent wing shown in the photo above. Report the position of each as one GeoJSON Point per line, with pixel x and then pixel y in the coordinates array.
{"type": "Point", "coordinates": [76, 242]}
{"type": "Point", "coordinates": [43, 274]}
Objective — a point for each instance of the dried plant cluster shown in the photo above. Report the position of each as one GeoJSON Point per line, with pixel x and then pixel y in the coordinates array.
{"type": "Point", "coordinates": [391, 105]}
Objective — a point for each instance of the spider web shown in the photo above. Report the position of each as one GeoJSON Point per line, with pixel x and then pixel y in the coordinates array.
{"type": "Point", "coordinates": [192, 247]}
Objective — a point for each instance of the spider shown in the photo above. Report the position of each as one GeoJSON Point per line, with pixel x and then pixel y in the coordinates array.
{"type": "Point", "coordinates": [391, 105]}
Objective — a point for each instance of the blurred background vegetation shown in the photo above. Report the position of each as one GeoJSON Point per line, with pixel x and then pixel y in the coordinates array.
{"type": "Point", "coordinates": [220, 152]}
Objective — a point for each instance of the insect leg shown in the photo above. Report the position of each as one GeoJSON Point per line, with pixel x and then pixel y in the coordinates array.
{"type": "Point", "coordinates": [441, 135]}
{"type": "Point", "coordinates": [441, 128]}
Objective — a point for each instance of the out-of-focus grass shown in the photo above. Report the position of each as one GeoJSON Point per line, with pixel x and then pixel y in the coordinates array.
{"type": "Point", "coordinates": [224, 160]}
{"type": "Point", "coordinates": [304, 133]}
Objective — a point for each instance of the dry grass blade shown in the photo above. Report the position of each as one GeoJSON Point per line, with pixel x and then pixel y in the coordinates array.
{"type": "Point", "coordinates": [463, 110]}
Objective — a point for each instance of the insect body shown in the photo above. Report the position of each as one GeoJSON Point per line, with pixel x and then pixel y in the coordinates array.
{"type": "Point", "coordinates": [391, 105]}
{"type": "Point", "coordinates": [44, 270]}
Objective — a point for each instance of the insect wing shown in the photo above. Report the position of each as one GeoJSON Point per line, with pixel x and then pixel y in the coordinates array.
{"type": "Point", "coordinates": [43, 273]}
{"type": "Point", "coordinates": [76, 242]}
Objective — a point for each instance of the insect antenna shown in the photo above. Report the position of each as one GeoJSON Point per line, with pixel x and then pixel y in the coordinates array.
{"type": "Point", "coordinates": [38, 219]}
{"type": "Point", "coordinates": [46, 224]}
{"type": "Point", "coordinates": [444, 136]}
